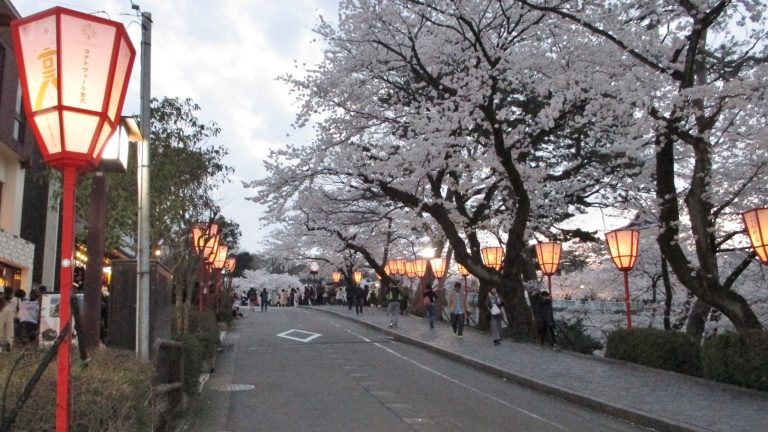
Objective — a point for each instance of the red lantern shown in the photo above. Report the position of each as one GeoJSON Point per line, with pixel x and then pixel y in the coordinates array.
{"type": "Point", "coordinates": [410, 269]}
{"type": "Point", "coordinates": [74, 70]}
{"type": "Point", "coordinates": [548, 256]}
{"type": "Point", "coordinates": [205, 239]}
{"type": "Point", "coordinates": [492, 256]}
{"type": "Point", "coordinates": [438, 267]}
{"type": "Point", "coordinates": [230, 264]}
{"type": "Point", "coordinates": [220, 258]}
{"type": "Point", "coordinates": [756, 224]}
{"type": "Point", "coordinates": [623, 246]}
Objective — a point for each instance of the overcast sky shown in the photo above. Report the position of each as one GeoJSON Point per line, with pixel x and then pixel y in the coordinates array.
{"type": "Point", "coordinates": [224, 54]}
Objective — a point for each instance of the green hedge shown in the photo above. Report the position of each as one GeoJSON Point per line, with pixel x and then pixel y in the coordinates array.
{"type": "Point", "coordinates": [573, 337]}
{"type": "Point", "coordinates": [673, 351]}
{"type": "Point", "coordinates": [738, 358]}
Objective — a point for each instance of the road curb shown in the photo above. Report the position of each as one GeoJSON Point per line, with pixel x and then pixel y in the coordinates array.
{"type": "Point", "coordinates": [636, 416]}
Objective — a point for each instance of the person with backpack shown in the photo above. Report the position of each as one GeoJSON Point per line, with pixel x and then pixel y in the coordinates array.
{"type": "Point", "coordinates": [428, 299]}
{"type": "Point", "coordinates": [264, 299]}
{"type": "Point", "coordinates": [393, 304]}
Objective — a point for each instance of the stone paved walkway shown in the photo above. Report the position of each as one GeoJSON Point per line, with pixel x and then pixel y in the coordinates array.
{"type": "Point", "coordinates": [650, 397]}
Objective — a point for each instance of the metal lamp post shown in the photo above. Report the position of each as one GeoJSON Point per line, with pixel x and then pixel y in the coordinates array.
{"type": "Point", "coordinates": [74, 70]}
{"type": "Point", "coordinates": [756, 224]}
{"type": "Point", "coordinates": [623, 246]}
{"type": "Point", "coordinates": [493, 256]}
{"type": "Point", "coordinates": [548, 255]}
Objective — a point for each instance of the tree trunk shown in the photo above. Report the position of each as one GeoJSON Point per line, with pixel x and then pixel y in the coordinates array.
{"type": "Point", "coordinates": [697, 319]}
{"type": "Point", "coordinates": [668, 294]}
{"type": "Point", "coordinates": [97, 215]}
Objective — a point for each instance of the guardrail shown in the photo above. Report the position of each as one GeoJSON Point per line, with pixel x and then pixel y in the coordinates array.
{"type": "Point", "coordinates": [168, 381]}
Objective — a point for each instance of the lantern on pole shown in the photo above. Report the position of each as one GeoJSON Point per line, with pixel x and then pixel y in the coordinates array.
{"type": "Point", "coordinates": [464, 273]}
{"type": "Point", "coordinates": [74, 70]}
{"type": "Point", "coordinates": [230, 264]}
{"type": "Point", "coordinates": [336, 277]}
{"type": "Point", "coordinates": [492, 256]}
{"type": "Point", "coordinates": [389, 268]}
{"type": "Point", "coordinates": [420, 267]}
{"type": "Point", "coordinates": [314, 268]}
{"type": "Point", "coordinates": [623, 246]}
{"type": "Point", "coordinates": [399, 267]}
{"type": "Point", "coordinates": [358, 275]}
{"type": "Point", "coordinates": [410, 269]}
{"type": "Point", "coordinates": [756, 224]}
{"type": "Point", "coordinates": [205, 240]}
{"type": "Point", "coordinates": [548, 255]}
{"type": "Point", "coordinates": [438, 267]}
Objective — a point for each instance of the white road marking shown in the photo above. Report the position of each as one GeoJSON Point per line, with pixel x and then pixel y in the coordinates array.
{"type": "Point", "coordinates": [466, 386]}
{"type": "Point", "coordinates": [311, 336]}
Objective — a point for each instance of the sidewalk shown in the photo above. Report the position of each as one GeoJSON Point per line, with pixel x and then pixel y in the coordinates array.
{"type": "Point", "coordinates": [653, 398]}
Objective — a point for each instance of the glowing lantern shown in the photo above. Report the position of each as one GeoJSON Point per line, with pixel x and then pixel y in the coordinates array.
{"type": "Point", "coordinates": [410, 269]}
{"type": "Point", "coordinates": [336, 277]}
{"type": "Point", "coordinates": [400, 266]}
{"type": "Point", "coordinates": [623, 246]}
{"type": "Point", "coordinates": [358, 276]}
{"type": "Point", "coordinates": [548, 256]}
{"type": "Point", "coordinates": [314, 268]}
{"type": "Point", "coordinates": [438, 267]}
{"type": "Point", "coordinates": [420, 267]}
{"type": "Point", "coordinates": [220, 258]}
{"type": "Point", "coordinates": [230, 264]}
{"type": "Point", "coordinates": [492, 256]}
{"type": "Point", "coordinates": [756, 224]}
{"type": "Point", "coordinates": [462, 270]}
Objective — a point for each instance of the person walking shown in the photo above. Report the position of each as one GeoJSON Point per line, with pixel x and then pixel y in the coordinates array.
{"type": "Point", "coordinates": [6, 325]}
{"type": "Point", "coordinates": [393, 304]}
{"type": "Point", "coordinates": [544, 318]}
{"type": "Point", "coordinates": [264, 299]}
{"type": "Point", "coordinates": [253, 298]}
{"type": "Point", "coordinates": [458, 308]}
{"type": "Point", "coordinates": [359, 299]}
{"type": "Point", "coordinates": [496, 309]}
{"type": "Point", "coordinates": [340, 296]}
{"type": "Point", "coordinates": [29, 316]}
{"type": "Point", "coordinates": [428, 299]}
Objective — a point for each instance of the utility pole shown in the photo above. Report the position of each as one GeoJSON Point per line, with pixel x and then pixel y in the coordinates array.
{"type": "Point", "coordinates": [143, 244]}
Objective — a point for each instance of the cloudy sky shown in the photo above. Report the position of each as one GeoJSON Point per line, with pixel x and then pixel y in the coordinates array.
{"type": "Point", "coordinates": [224, 54]}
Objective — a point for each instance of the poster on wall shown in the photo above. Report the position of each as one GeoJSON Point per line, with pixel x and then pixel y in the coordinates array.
{"type": "Point", "coordinates": [49, 318]}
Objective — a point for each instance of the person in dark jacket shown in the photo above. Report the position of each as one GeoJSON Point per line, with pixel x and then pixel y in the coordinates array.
{"type": "Point", "coordinates": [359, 299]}
{"type": "Point", "coordinates": [541, 305]}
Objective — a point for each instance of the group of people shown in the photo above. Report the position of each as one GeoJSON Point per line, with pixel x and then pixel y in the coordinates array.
{"type": "Point", "coordinates": [460, 312]}
{"type": "Point", "coordinates": [19, 317]}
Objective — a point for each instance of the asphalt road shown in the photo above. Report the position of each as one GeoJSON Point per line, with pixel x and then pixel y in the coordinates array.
{"type": "Point", "coordinates": [298, 370]}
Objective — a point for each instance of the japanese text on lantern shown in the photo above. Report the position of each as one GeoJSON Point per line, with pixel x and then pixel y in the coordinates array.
{"type": "Point", "coordinates": [85, 67]}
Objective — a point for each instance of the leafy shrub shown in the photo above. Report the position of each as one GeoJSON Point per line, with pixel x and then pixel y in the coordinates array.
{"type": "Point", "coordinates": [738, 358]}
{"type": "Point", "coordinates": [193, 362]}
{"type": "Point", "coordinates": [109, 393]}
{"type": "Point", "coordinates": [656, 348]}
{"type": "Point", "coordinates": [573, 337]}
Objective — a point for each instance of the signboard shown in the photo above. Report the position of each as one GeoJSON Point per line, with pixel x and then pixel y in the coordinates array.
{"type": "Point", "coordinates": [49, 318]}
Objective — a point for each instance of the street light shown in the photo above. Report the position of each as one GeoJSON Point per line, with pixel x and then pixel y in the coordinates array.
{"type": "Point", "coordinates": [438, 267]}
{"type": "Point", "coordinates": [756, 224]}
{"type": "Point", "coordinates": [74, 70]}
{"type": "Point", "coordinates": [420, 267]}
{"type": "Point", "coordinates": [492, 256]}
{"type": "Point", "coordinates": [548, 255]}
{"type": "Point", "coordinates": [623, 246]}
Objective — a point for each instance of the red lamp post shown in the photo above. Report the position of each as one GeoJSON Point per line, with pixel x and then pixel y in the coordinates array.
{"type": "Point", "coordinates": [492, 256]}
{"type": "Point", "coordinates": [74, 70]}
{"type": "Point", "coordinates": [756, 224]}
{"type": "Point", "coordinates": [623, 246]}
{"type": "Point", "coordinates": [219, 261]}
{"type": "Point", "coordinates": [548, 255]}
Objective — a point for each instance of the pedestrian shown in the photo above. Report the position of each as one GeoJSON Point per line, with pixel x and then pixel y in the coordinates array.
{"type": "Point", "coordinates": [253, 298]}
{"type": "Point", "coordinates": [283, 298]}
{"type": "Point", "coordinates": [264, 299]}
{"type": "Point", "coordinates": [29, 316]}
{"type": "Point", "coordinates": [496, 309]}
{"type": "Point", "coordinates": [403, 301]}
{"type": "Point", "coordinates": [544, 318]}
{"type": "Point", "coordinates": [350, 296]}
{"type": "Point", "coordinates": [359, 299]}
{"type": "Point", "coordinates": [340, 296]}
{"type": "Point", "coordinates": [393, 304]}
{"type": "Point", "coordinates": [429, 299]}
{"type": "Point", "coordinates": [366, 290]}
{"type": "Point", "coordinates": [458, 308]}
{"type": "Point", "coordinates": [6, 325]}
